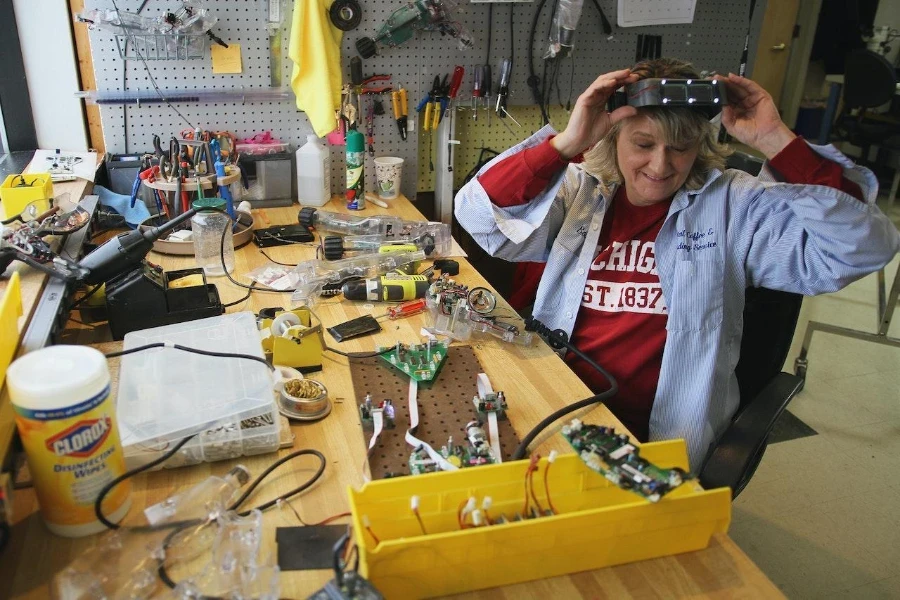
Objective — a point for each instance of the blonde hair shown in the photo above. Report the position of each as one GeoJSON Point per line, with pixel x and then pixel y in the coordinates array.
{"type": "Point", "coordinates": [679, 126]}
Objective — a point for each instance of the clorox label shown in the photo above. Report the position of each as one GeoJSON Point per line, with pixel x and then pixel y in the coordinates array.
{"type": "Point", "coordinates": [81, 439]}
{"type": "Point", "coordinates": [74, 452]}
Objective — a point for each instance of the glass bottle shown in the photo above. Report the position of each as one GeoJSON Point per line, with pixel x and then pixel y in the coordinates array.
{"type": "Point", "coordinates": [207, 227]}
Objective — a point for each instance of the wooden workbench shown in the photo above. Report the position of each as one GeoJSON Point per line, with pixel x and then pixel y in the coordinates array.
{"type": "Point", "coordinates": [535, 380]}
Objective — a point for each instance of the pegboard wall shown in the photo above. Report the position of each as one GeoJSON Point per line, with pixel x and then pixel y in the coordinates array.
{"type": "Point", "coordinates": [714, 41]}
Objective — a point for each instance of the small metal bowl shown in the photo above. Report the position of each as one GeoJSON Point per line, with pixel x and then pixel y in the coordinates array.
{"type": "Point", "coordinates": [304, 409]}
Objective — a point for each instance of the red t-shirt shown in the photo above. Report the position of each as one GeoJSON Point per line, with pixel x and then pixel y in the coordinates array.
{"type": "Point", "coordinates": [622, 320]}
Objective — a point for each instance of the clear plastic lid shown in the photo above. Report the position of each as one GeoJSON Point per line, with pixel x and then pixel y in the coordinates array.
{"type": "Point", "coordinates": [167, 394]}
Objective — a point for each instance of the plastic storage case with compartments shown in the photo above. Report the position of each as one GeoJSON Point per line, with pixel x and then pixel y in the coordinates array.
{"type": "Point", "coordinates": [166, 394]}
{"type": "Point", "coordinates": [228, 438]}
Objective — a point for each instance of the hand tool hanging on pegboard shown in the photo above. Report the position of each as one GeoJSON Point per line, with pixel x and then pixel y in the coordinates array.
{"type": "Point", "coordinates": [399, 103]}
{"type": "Point", "coordinates": [458, 73]}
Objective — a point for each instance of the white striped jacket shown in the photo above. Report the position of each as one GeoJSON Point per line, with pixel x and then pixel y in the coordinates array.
{"type": "Point", "coordinates": [757, 232]}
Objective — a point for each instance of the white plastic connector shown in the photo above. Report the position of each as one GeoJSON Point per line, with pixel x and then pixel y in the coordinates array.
{"type": "Point", "coordinates": [414, 503]}
{"type": "Point", "coordinates": [168, 344]}
{"type": "Point", "coordinates": [552, 456]}
{"type": "Point", "coordinates": [477, 519]}
{"type": "Point", "coordinates": [486, 503]}
{"type": "Point", "coordinates": [470, 505]}
{"type": "Point", "coordinates": [366, 522]}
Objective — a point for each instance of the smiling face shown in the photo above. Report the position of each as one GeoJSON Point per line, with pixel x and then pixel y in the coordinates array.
{"type": "Point", "coordinates": [652, 167]}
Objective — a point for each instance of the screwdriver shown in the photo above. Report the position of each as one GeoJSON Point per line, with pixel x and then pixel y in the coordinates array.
{"type": "Point", "coordinates": [486, 89]}
{"type": "Point", "coordinates": [406, 309]}
{"type": "Point", "coordinates": [505, 71]}
{"type": "Point", "coordinates": [476, 90]}
{"type": "Point", "coordinates": [455, 82]}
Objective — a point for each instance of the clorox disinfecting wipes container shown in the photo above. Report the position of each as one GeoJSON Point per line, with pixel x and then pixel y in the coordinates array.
{"type": "Point", "coordinates": [66, 421]}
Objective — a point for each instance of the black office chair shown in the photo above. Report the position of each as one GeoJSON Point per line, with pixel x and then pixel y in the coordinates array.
{"type": "Point", "coordinates": [770, 318]}
{"type": "Point", "coordinates": [869, 81]}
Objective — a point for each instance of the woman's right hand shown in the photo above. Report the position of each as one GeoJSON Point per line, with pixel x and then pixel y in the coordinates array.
{"type": "Point", "coordinates": [590, 120]}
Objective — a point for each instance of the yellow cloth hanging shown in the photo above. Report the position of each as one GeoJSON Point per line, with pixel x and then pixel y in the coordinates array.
{"type": "Point", "coordinates": [316, 51]}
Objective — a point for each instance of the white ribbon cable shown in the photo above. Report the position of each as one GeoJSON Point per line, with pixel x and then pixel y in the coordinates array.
{"type": "Point", "coordinates": [378, 424]}
{"type": "Point", "coordinates": [484, 388]}
{"type": "Point", "coordinates": [414, 422]}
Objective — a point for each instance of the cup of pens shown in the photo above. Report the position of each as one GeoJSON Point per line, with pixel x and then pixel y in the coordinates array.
{"type": "Point", "coordinates": [388, 172]}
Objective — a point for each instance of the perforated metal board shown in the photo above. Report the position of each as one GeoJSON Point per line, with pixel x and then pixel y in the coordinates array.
{"type": "Point", "coordinates": [713, 41]}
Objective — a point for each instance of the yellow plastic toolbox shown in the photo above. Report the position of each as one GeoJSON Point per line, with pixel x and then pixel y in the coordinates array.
{"type": "Point", "coordinates": [596, 524]}
{"type": "Point", "coordinates": [10, 311]}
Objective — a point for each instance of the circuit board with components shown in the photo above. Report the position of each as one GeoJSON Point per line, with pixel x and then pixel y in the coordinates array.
{"type": "Point", "coordinates": [491, 402]}
{"type": "Point", "coordinates": [474, 453]}
{"type": "Point", "coordinates": [421, 362]}
{"type": "Point", "coordinates": [614, 456]}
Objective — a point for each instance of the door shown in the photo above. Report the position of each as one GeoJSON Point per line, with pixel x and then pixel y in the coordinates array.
{"type": "Point", "coordinates": [774, 46]}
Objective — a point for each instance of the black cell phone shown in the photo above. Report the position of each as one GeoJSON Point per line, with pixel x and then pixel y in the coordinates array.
{"type": "Point", "coordinates": [354, 328]}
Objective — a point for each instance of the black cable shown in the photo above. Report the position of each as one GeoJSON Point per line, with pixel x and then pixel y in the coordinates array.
{"type": "Point", "coordinates": [571, 85]}
{"type": "Point", "coordinates": [150, 75]}
{"type": "Point", "coordinates": [238, 301]}
{"type": "Point", "coordinates": [512, 39]}
{"type": "Point", "coordinates": [252, 287]}
{"type": "Point", "coordinates": [604, 22]}
{"type": "Point", "coordinates": [490, 27]}
{"type": "Point", "coordinates": [559, 339]}
{"type": "Point", "coordinates": [125, 79]}
{"type": "Point", "coordinates": [533, 81]}
{"type": "Point", "coordinates": [283, 264]}
{"type": "Point", "coordinates": [163, 573]}
{"type": "Point", "coordinates": [337, 562]}
{"type": "Point", "coordinates": [300, 488]}
{"type": "Point", "coordinates": [84, 298]}
{"type": "Point", "coordinates": [258, 359]}
{"type": "Point", "coordinates": [360, 354]}
{"type": "Point", "coordinates": [98, 503]}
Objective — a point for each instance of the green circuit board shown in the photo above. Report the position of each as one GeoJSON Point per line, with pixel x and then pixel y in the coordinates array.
{"type": "Point", "coordinates": [421, 362]}
{"type": "Point", "coordinates": [614, 456]}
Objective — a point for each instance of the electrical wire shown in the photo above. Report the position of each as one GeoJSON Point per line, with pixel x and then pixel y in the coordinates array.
{"type": "Point", "coordinates": [512, 38]}
{"type": "Point", "coordinates": [547, 484]}
{"type": "Point", "coordinates": [258, 359]}
{"type": "Point", "coordinates": [147, 68]}
{"type": "Point", "coordinates": [490, 27]}
{"type": "Point", "coordinates": [317, 524]}
{"type": "Point", "coordinates": [359, 354]}
{"type": "Point", "coordinates": [533, 81]}
{"type": "Point", "coordinates": [105, 490]}
{"type": "Point", "coordinates": [558, 338]}
{"type": "Point", "coordinates": [84, 298]}
{"type": "Point", "coordinates": [283, 264]}
{"type": "Point", "coordinates": [338, 564]}
{"type": "Point", "coordinates": [125, 81]}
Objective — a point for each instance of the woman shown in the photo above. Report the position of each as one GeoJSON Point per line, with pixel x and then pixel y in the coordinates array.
{"type": "Point", "coordinates": [649, 245]}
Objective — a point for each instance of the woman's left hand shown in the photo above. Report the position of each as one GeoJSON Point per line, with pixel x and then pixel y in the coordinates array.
{"type": "Point", "coordinates": [751, 116]}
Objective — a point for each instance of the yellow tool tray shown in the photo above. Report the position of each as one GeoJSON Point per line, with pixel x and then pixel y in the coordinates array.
{"type": "Point", "coordinates": [14, 197]}
{"type": "Point", "coordinates": [597, 525]}
{"type": "Point", "coordinates": [10, 311]}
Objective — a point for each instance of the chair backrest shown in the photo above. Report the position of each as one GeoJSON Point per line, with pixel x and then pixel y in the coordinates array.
{"type": "Point", "coordinates": [869, 80]}
{"type": "Point", "coordinates": [770, 318]}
